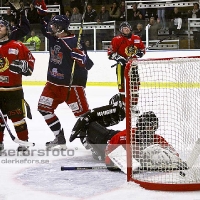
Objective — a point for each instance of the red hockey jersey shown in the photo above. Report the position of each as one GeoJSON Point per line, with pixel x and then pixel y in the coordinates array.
{"type": "Point", "coordinates": [120, 44]}
{"type": "Point", "coordinates": [120, 139]}
{"type": "Point", "coordinates": [10, 51]}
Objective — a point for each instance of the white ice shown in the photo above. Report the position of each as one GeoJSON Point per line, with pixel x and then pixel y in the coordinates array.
{"type": "Point", "coordinates": [31, 180]}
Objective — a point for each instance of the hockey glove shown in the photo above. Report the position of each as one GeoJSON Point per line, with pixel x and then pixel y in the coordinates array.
{"type": "Point", "coordinates": [41, 7]}
{"type": "Point", "coordinates": [19, 66]}
{"type": "Point", "coordinates": [139, 53]}
{"type": "Point", "coordinates": [118, 58]}
{"type": "Point", "coordinates": [79, 56]}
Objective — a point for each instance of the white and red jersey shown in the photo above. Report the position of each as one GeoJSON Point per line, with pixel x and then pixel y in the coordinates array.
{"type": "Point", "coordinates": [120, 139]}
{"type": "Point", "coordinates": [10, 51]}
{"type": "Point", "coordinates": [120, 44]}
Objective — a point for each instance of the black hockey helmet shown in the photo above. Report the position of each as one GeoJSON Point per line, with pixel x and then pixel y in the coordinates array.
{"type": "Point", "coordinates": [61, 22]}
{"type": "Point", "coordinates": [122, 25]}
{"type": "Point", "coordinates": [6, 24]}
{"type": "Point", "coordinates": [146, 124]}
{"type": "Point", "coordinates": [147, 119]}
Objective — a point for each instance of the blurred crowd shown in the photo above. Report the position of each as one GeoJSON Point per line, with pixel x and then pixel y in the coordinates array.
{"type": "Point", "coordinates": [166, 20]}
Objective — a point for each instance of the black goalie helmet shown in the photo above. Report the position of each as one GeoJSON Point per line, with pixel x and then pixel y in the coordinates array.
{"type": "Point", "coordinates": [60, 23]}
{"type": "Point", "coordinates": [146, 124]}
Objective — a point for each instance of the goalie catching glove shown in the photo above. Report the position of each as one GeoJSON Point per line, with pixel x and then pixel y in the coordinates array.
{"type": "Point", "coordinates": [20, 67]}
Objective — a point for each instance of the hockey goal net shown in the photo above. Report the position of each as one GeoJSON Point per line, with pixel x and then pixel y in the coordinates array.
{"type": "Point", "coordinates": [170, 87]}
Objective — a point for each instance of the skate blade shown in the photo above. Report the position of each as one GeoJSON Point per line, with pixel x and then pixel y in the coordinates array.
{"type": "Point", "coordinates": [59, 147]}
{"type": "Point", "coordinates": [3, 152]}
{"type": "Point", "coordinates": [24, 153]}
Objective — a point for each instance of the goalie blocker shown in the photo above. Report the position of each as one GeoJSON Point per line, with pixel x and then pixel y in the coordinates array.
{"type": "Point", "coordinates": [154, 151]}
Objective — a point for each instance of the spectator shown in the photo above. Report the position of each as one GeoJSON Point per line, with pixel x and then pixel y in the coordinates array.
{"type": "Point", "coordinates": [115, 12]}
{"type": "Point", "coordinates": [135, 16]}
{"type": "Point", "coordinates": [68, 14]}
{"type": "Point", "coordinates": [140, 20]}
{"type": "Point", "coordinates": [140, 32]}
{"type": "Point", "coordinates": [102, 34]}
{"type": "Point", "coordinates": [12, 25]}
{"type": "Point", "coordinates": [161, 18]}
{"type": "Point", "coordinates": [88, 45]}
{"type": "Point", "coordinates": [76, 16]}
{"type": "Point", "coordinates": [78, 4]}
{"type": "Point", "coordinates": [122, 11]}
{"type": "Point", "coordinates": [176, 21]}
{"type": "Point", "coordinates": [9, 16]}
{"type": "Point", "coordinates": [90, 14]}
{"type": "Point", "coordinates": [32, 15]}
{"type": "Point", "coordinates": [153, 29]}
{"type": "Point", "coordinates": [34, 40]}
{"type": "Point", "coordinates": [103, 15]}
{"type": "Point", "coordinates": [194, 13]}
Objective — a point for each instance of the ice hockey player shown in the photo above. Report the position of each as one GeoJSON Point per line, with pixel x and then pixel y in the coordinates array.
{"type": "Point", "coordinates": [15, 60]}
{"type": "Point", "coordinates": [123, 47]}
{"type": "Point", "coordinates": [63, 51]}
{"type": "Point", "coordinates": [94, 135]}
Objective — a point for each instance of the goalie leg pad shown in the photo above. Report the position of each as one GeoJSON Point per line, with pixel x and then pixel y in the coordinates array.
{"type": "Point", "coordinates": [97, 137]}
{"type": "Point", "coordinates": [99, 134]}
{"type": "Point", "coordinates": [108, 115]}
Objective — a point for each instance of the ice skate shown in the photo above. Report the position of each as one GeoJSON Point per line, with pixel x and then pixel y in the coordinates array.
{"type": "Point", "coordinates": [1, 148]}
{"type": "Point", "coordinates": [23, 150]}
{"type": "Point", "coordinates": [59, 142]}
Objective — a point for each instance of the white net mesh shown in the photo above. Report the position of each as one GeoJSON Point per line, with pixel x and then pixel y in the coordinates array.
{"type": "Point", "coordinates": [171, 89]}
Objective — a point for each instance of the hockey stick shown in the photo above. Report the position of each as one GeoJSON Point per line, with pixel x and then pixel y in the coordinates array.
{"type": "Point", "coordinates": [160, 41]}
{"type": "Point", "coordinates": [141, 169]}
{"type": "Point", "coordinates": [192, 157]}
{"type": "Point", "coordinates": [63, 168]}
{"type": "Point", "coordinates": [20, 142]}
{"type": "Point", "coordinates": [78, 44]}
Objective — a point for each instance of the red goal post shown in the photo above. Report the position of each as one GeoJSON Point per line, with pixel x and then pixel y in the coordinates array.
{"type": "Point", "coordinates": [170, 87]}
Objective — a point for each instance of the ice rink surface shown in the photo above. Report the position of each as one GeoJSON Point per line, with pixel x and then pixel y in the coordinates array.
{"type": "Point", "coordinates": [38, 176]}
